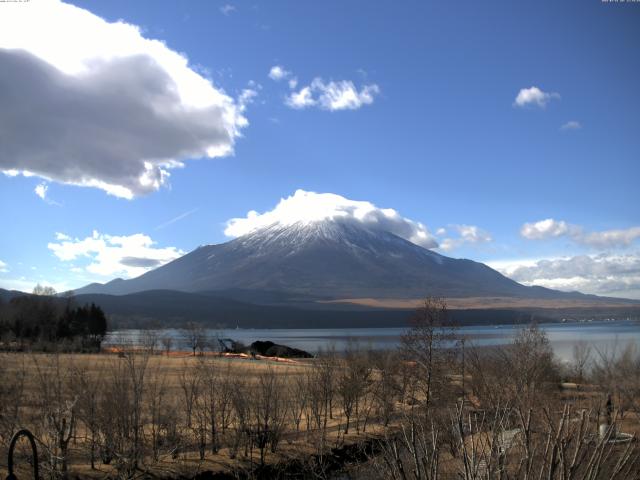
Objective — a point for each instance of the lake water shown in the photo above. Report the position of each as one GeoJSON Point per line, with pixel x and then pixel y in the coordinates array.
{"type": "Point", "coordinates": [604, 336]}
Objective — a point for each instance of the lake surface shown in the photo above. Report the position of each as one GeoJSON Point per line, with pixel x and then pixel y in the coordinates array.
{"type": "Point", "coordinates": [604, 336]}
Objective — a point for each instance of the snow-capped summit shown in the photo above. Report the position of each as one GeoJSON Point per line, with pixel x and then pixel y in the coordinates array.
{"type": "Point", "coordinates": [307, 209]}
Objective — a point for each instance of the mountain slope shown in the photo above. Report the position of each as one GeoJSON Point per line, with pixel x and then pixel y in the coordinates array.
{"type": "Point", "coordinates": [328, 259]}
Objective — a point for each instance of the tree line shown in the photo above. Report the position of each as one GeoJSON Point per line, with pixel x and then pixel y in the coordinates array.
{"type": "Point", "coordinates": [43, 321]}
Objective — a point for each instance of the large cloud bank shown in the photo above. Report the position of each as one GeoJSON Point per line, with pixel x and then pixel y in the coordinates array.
{"type": "Point", "coordinates": [603, 274]}
{"type": "Point", "coordinates": [306, 207]}
{"type": "Point", "coordinates": [551, 228]}
{"type": "Point", "coordinates": [93, 103]}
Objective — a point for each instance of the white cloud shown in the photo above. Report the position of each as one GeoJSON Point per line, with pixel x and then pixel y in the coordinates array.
{"type": "Point", "coordinates": [93, 103]}
{"type": "Point", "coordinates": [41, 190]}
{"type": "Point", "coordinates": [543, 229]}
{"type": "Point", "coordinates": [534, 96]}
{"type": "Point", "coordinates": [278, 72]}
{"type": "Point", "coordinates": [603, 274]}
{"type": "Point", "coordinates": [571, 125]}
{"type": "Point", "coordinates": [611, 238]}
{"type": "Point", "coordinates": [343, 95]}
{"type": "Point", "coordinates": [307, 207]}
{"type": "Point", "coordinates": [551, 228]}
{"type": "Point", "coordinates": [467, 234]}
{"type": "Point", "coordinates": [3, 267]}
{"type": "Point", "coordinates": [301, 99]}
{"type": "Point", "coordinates": [109, 255]}
{"type": "Point", "coordinates": [227, 9]}
{"type": "Point", "coordinates": [332, 96]}
{"type": "Point", "coordinates": [246, 97]}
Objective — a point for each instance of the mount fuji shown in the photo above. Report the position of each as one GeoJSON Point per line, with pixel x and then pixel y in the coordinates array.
{"type": "Point", "coordinates": [328, 259]}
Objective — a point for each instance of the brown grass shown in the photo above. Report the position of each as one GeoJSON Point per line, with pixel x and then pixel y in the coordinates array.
{"type": "Point", "coordinates": [294, 444]}
{"type": "Point", "coordinates": [489, 302]}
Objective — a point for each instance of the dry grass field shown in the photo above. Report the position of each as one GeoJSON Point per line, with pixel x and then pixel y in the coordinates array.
{"type": "Point", "coordinates": [496, 302]}
{"type": "Point", "coordinates": [435, 412]}
{"type": "Point", "coordinates": [180, 394]}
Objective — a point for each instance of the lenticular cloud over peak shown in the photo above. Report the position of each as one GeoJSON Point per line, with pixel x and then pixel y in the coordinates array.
{"type": "Point", "coordinates": [308, 207]}
{"type": "Point", "coordinates": [94, 103]}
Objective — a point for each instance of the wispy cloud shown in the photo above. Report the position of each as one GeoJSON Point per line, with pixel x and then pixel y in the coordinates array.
{"type": "Point", "coordinates": [247, 97]}
{"type": "Point", "coordinates": [332, 96]}
{"type": "Point", "coordinates": [466, 234]}
{"type": "Point", "coordinates": [227, 9]}
{"type": "Point", "coordinates": [533, 96]}
{"type": "Point", "coordinates": [176, 219]}
{"type": "Point", "coordinates": [571, 125]}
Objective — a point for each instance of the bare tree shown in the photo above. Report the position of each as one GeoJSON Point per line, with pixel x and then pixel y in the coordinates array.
{"type": "Point", "coordinates": [240, 399]}
{"type": "Point", "coordinates": [321, 388]}
{"type": "Point", "coordinates": [86, 386]}
{"type": "Point", "coordinates": [298, 399]}
{"type": "Point", "coordinates": [207, 403]}
{"type": "Point", "coordinates": [268, 412]}
{"type": "Point", "coordinates": [149, 341]}
{"type": "Point", "coordinates": [618, 372]}
{"type": "Point", "coordinates": [59, 410]}
{"type": "Point", "coordinates": [428, 347]}
{"type": "Point", "coordinates": [581, 359]}
{"type": "Point", "coordinates": [532, 363]}
{"type": "Point", "coordinates": [157, 410]}
{"type": "Point", "coordinates": [565, 446]}
{"type": "Point", "coordinates": [353, 381]}
{"type": "Point", "coordinates": [136, 367]}
{"type": "Point", "coordinates": [386, 388]}
{"type": "Point", "coordinates": [190, 385]}
{"type": "Point", "coordinates": [122, 409]}
{"type": "Point", "coordinates": [196, 337]}
{"type": "Point", "coordinates": [515, 375]}
{"type": "Point", "coordinates": [44, 290]}
{"type": "Point", "coordinates": [166, 342]}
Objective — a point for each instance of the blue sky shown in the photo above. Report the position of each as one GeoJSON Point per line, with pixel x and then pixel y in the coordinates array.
{"type": "Point", "coordinates": [434, 131]}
